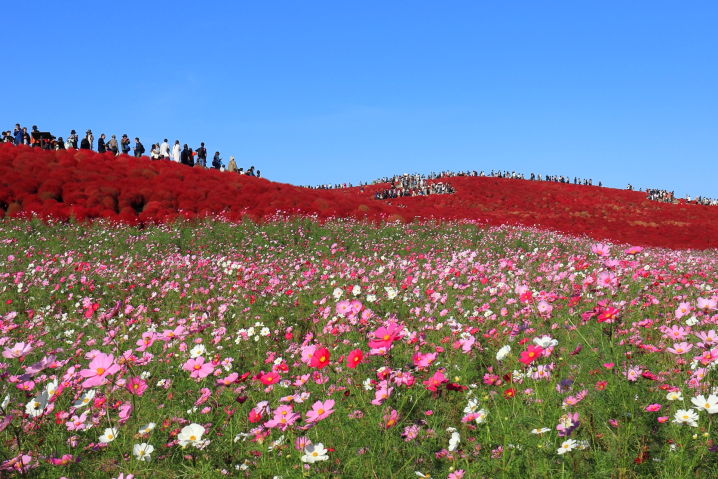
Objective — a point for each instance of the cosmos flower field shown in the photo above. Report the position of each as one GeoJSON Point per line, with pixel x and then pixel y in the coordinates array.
{"type": "Point", "coordinates": [298, 349]}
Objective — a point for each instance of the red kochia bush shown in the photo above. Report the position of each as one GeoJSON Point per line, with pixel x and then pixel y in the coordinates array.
{"type": "Point", "coordinates": [84, 185]}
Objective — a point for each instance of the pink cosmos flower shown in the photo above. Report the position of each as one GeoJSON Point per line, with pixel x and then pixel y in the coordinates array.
{"type": "Point", "coordinates": [320, 410]}
{"type": "Point", "coordinates": [136, 386]}
{"type": "Point", "coordinates": [101, 366]}
{"type": "Point", "coordinates": [423, 360]}
{"type": "Point", "coordinates": [653, 407]}
{"type": "Point", "coordinates": [228, 380]}
{"type": "Point", "coordinates": [146, 341]}
{"type": "Point", "coordinates": [391, 419]}
{"type": "Point", "coordinates": [600, 249]}
{"type": "Point", "coordinates": [198, 368]}
{"type": "Point", "coordinates": [18, 350]}
{"type": "Point", "coordinates": [435, 381]}
{"type": "Point", "coordinates": [384, 336]}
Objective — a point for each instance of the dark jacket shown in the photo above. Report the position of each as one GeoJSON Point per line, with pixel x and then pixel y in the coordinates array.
{"type": "Point", "coordinates": [18, 136]}
{"type": "Point", "coordinates": [85, 144]}
{"type": "Point", "coordinates": [101, 145]}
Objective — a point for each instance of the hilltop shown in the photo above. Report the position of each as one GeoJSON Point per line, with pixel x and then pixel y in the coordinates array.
{"type": "Point", "coordinates": [85, 185]}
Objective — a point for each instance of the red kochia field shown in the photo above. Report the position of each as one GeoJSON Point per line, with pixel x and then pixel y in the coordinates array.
{"type": "Point", "coordinates": [87, 185]}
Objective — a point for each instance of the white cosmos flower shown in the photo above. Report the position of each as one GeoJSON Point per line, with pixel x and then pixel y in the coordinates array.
{"type": "Point", "coordinates": [545, 341]}
{"type": "Point", "coordinates": [390, 292]}
{"type": "Point", "coordinates": [337, 293]}
{"type": "Point", "coordinates": [109, 435]}
{"type": "Point", "coordinates": [692, 321]}
{"type": "Point", "coordinates": [567, 446]}
{"type": "Point", "coordinates": [472, 405]}
{"type": "Point", "coordinates": [686, 416]}
{"type": "Point", "coordinates": [356, 290]}
{"type": "Point", "coordinates": [708, 404]}
{"type": "Point", "coordinates": [314, 452]}
{"type": "Point", "coordinates": [674, 396]}
{"type": "Point", "coordinates": [197, 351]}
{"type": "Point", "coordinates": [503, 352]}
{"type": "Point", "coordinates": [36, 406]}
{"type": "Point", "coordinates": [540, 431]}
{"type": "Point", "coordinates": [191, 434]}
{"type": "Point", "coordinates": [51, 388]}
{"type": "Point", "coordinates": [454, 440]}
{"type": "Point", "coordinates": [85, 399]}
{"type": "Point", "coordinates": [481, 416]}
{"type": "Point", "coordinates": [147, 428]}
{"type": "Point", "coordinates": [142, 451]}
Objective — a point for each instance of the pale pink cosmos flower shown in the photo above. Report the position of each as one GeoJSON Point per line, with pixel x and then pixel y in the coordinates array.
{"type": "Point", "coordinates": [680, 348]}
{"type": "Point", "coordinates": [320, 410]}
{"type": "Point", "coordinates": [18, 350]}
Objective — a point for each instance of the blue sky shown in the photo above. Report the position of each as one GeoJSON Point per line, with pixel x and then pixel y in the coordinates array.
{"type": "Point", "coordinates": [318, 91]}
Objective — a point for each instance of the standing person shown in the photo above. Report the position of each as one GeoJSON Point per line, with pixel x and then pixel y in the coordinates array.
{"type": "Point", "coordinates": [17, 133]}
{"type": "Point", "coordinates": [155, 152]}
{"type": "Point", "coordinates": [85, 144]}
{"type": "Point", "coordinates": [202, 155]}
{"type": "Point", "coordinates": [190, 157]}
{"type": "Point", "coordinates": [112, 145]}
{"type": "Point", "coordinates": [101, 144]}
{"type": "Point", "coordinates": [165, 150]}
{"type": "Point", "coordinates": [73, 138]}
{"type": "Point", "coordinates": [34, 137]}
{"type": "Point", "coordinates": [125, 144]}
{"type": "Point", "coordinates": [176, 152]}
{"type": "Point", "coordinates": [139, 148]}
{"type": "Point", "coordinates": [60, 144]}
{"type": "Point", "coordinates": [25, 136]}
{"type": "Point", "coordinates": [216, 161]}
{"type": "Point", "coordinates": [90, 138]}
{"type": "Point", "coordinates": [184, 155]}
{"type": "Point", "coordinates": [232, 165]}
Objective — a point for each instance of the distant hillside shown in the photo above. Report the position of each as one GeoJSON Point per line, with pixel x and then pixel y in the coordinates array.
{"type": "Point", "coordinates": [86, 185]}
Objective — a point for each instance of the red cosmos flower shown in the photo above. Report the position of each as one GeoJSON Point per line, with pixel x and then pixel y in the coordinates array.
{"type": "Point", "coordinates": [531, 354]}
{"type": "Point", "coordinates": [608, 315]}
{"type": "Point", "coordinates": [269, 378]}
{"type": "Point", "coordinates": [509, 393]}
{"type": "Point", "coordinates": [354, 358]}
{"type": "Point", "coordinates": [320, 358]}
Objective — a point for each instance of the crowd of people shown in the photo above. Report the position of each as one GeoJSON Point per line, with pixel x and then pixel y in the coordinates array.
{"type": "Point", "coordinates": [401, 186]}
{"type": "Point", "coordinates": [158, 151]}
{"type": "Point", "coordinates": [655, 194]}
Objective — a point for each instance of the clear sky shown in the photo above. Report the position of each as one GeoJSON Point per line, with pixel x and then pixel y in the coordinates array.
{"type": "Point", "coordinates": [331, 91]}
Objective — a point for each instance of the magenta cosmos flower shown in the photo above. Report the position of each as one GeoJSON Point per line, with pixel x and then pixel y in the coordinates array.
{"type": "Point", "coordinates": [101, 366]}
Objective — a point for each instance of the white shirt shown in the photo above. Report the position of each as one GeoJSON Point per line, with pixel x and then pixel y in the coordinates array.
{"type": "Point", "coordinates": [165, 149]}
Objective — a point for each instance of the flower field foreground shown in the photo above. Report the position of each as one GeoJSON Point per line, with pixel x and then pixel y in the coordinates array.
{"type": "Point", "coordinates": [84, 185]}
{"type": "Point", "coordinates": [294, 349]}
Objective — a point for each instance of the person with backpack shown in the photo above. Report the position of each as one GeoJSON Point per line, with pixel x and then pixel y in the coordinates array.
{"type": "Point", "coordinates": [17, 133]}
{"type": "Point", "coordinates": [125, 144]}
{"type": "Point", "coordinates": [112, 145]}
{"type": "Point", "coordinates": [202, 155]}
{"type": "Point", "coordinates": [139, 148]}
{"type": "Point", "coordinates": [216, 161]}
